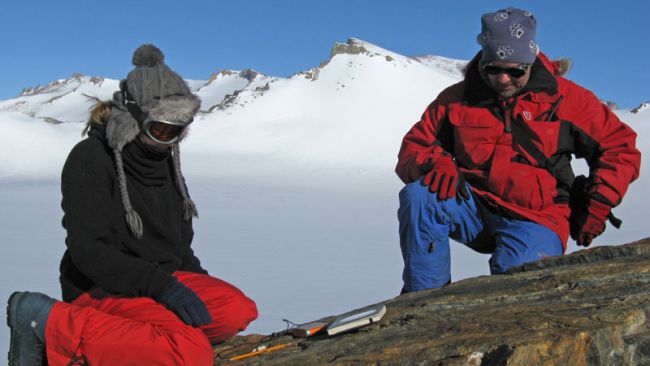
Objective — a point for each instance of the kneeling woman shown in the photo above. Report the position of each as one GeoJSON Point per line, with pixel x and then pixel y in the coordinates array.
{"type": "Point", "coordinates": [134, 291]}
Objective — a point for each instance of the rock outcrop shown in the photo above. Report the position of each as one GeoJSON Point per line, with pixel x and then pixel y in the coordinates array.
{"type": "Point", "coordinates": [587, 308]}
{"type": "Point", "coordinates": [75, 77]}
{"type": "Point", "coordinates": [221, 73]}
{"type": "Point", "coordinates": [610, 104]}
{"type": "Point", "coordinates": [351, 47]}
{"type": "Point", "coordinates": [248, 74]}
{"type": "Point", "coordinates": [643, 107]}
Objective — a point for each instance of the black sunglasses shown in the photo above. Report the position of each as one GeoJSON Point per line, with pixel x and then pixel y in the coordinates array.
{"type": "Point", "coordinates": [515, 72]}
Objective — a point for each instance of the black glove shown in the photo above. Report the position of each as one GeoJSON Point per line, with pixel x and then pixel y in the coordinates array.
{"type": "Point", "coordinates": [186, 304]}
{"type": "Point", "coordinates": [588, 215]}
{"type": "Point", "coordinates": [593, 223]}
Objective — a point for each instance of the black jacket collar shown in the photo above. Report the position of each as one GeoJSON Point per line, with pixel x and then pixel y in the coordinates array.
{"type": "Point", "coordinates": [98, 130]}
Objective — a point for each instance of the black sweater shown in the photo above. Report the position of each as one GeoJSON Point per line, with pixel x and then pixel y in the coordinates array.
{"type": "Point", "coordinates": [101, 251]}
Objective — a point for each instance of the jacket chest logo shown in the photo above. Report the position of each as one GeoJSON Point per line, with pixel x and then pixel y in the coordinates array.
{"type": "Point", "coordinates": [527, 115]}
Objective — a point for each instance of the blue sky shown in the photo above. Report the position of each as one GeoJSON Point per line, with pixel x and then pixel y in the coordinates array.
{"type": "Point", "coordinates": [46, 40]}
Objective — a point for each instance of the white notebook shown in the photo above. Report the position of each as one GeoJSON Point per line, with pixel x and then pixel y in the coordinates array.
{"type": "Point", "coordinates": [356, 319]}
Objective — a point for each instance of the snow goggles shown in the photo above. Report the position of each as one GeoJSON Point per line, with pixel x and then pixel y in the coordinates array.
{"type": "Point", "coordinates": [515, 72]}
{"type": "Point", "coordinates": [164, 132]}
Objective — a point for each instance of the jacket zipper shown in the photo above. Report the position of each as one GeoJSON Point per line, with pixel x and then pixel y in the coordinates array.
{"type": "Point", "coordinates": [507, 118]}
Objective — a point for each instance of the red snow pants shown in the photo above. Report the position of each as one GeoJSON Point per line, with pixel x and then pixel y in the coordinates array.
{"type": "Point", "coordinates": [100, 329]}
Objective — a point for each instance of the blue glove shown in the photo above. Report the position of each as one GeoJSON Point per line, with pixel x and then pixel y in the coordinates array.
{"type": "Point", "coordinates": [186, 304]}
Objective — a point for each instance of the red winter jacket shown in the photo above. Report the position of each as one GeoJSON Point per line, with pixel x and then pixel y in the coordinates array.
{"type": "Point", "coordinates": [468, 121]}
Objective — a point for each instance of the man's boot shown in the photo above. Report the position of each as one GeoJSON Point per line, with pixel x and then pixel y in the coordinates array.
{"type": "Point", "coordinates": [27, 314]}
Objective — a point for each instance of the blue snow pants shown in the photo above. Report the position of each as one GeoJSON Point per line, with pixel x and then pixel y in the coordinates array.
{"type": "Point", "coordinates": [426, 224]}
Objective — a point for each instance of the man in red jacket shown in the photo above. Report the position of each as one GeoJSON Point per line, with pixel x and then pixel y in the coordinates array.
{"type": "Point", "coordinates": [488, 164]}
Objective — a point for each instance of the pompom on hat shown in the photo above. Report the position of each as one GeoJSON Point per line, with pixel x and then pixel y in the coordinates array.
{"type": "Point", "coordinates": [160, 92]}
{"type": "Point", "coordinates": [509, 35]}
{"type": "Point", "coordinates": [151, 91]}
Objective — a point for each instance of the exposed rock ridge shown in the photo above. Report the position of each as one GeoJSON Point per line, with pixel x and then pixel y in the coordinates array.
{"type": "Point", "coordinates": [76, 77]}
{"type": "Point", "coordinates": [453, 66]}
{"type": "Point", "coordinates": [221, 73]}
{"type": "Point", "coordinates": [587, 308]}
{"type": "Point", "coordinates": [351, 47]}
{"type": "Point", "coordinates": [248, 74]}
{"type": "Point", "coordinates": [643, 107]}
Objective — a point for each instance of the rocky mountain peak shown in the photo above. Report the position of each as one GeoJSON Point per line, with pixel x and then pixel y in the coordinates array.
{"type": "Point", "coordinates": [642, 108]}
{"type": "Point", "coordinates": [248, 74]}
{"type": "Point", "coordinates": [75, 77]}
{"type": "Point", "coordinates": [221, 73]}
{"type": "Point", "coordinates": [352, 47]}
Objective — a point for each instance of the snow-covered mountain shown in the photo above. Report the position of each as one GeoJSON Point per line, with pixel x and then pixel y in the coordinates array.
{"type": "Point", "coordinates": [63, 100]}
{"type": "Point", "coordinates": [351, 109]}
{"type": "Point", "coordinates": [68, 100]}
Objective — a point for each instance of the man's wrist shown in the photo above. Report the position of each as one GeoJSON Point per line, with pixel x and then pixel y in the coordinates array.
{"type": "Point", "coordinates": [599, 209]}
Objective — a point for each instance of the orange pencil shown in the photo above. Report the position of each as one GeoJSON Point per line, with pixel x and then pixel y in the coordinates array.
{"type": "Point", "coordinates": [236, 358]}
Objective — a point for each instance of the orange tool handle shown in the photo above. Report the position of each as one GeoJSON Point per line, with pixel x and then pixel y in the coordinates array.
{"type": "Point", "coordinates": [236, 358]}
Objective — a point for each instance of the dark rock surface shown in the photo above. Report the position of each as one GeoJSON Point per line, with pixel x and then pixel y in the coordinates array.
{"type": "Point", "coordinates": [248, 74]}
{"type": "Point", "coordinates": [351, 47]}
{"type": "Point", "coordinates": [642, 107]}
{"type": "Point", "coordinates": [587, 308]}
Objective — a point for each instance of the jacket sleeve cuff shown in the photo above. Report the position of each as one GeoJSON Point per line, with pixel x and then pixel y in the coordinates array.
{"type": "Point", "coordinates": [599, 209]}
{"type": "Point", "coordinates": [605, 194]}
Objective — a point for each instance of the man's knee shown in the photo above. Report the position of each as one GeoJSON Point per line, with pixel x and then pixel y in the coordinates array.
{"type": "Point", "coordinates": [500, 264]}
{"type": "Point", "coordinates": [414, 192]}
{"type": "Point", "coordinates": [523, 243]}
{"type": "Point", "coordinates": [503, 260]}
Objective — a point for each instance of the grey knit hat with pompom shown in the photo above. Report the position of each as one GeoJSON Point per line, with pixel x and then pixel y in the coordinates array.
{"type": "Point", "coordinates": [161, 95]}
{"type": "Point", "coordinates": [157, 90]}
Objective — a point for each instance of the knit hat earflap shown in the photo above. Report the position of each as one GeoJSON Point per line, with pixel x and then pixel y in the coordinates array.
{"type": "Point", "coordinates": [151, 91]}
